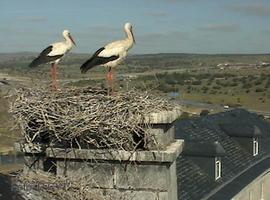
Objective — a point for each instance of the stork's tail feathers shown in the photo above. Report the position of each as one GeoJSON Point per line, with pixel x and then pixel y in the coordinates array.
{"type": "Point", "coordinates": [44, 57]}
{"type": "Point", "coordinates": [96, 60]}
{"type": "Point", "coordinates": [34, 63]}
{"type": "Point", "coordinates": [87, 65]}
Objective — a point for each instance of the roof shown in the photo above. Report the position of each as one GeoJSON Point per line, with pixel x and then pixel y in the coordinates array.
{"type": "Point", "coordinates": [241, 130]}
{"type": "Point", "coordinates": [205, 149]}
{"type": "Point", "coordinates": [229, 190]}
{"type": "Point", "coordinates": [193, 182]}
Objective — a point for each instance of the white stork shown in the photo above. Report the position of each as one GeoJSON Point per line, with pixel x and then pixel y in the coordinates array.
{"type": "Point", "coordinates": [53, 54]}
{"type": "Point", "coordinates": [112, 54]}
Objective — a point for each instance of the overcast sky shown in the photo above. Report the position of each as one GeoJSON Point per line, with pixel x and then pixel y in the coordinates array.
{"type": "Point", "coordinates": [160, 26]}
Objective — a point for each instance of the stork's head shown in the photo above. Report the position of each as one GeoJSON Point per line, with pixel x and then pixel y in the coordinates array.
{"type": "Point", "coordinates": [67, 34]}
{"type": "Point", "coordinates": [128, 27]}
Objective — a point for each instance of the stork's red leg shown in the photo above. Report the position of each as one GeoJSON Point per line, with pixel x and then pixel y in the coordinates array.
{"type": "Point", "coordinates": [110, 80]}
{"type": "Point", "coordinates": [53, 74]}
{"type": "Point", "coordinates": [109, 76]}
{"type": "Point", "coordinates": [56, 77]}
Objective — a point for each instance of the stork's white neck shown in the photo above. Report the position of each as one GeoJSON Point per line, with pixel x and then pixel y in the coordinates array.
{"type": "Point", "coordinates": [68, 41]}
{"type": "Point", "coordinates": [130, 37]}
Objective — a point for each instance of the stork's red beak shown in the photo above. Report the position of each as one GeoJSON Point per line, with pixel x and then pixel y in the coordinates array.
{"type": "Point", "coordinates": [72, 40]}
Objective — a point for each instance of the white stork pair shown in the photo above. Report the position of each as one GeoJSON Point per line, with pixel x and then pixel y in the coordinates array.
{"type": "Point", "coordinates": [109, 56]}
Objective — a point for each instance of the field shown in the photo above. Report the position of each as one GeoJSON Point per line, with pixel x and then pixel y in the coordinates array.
{"type": "Point", "coordinates": [240, 87]}
{"type": "Point", "coordinates": [232, 80]}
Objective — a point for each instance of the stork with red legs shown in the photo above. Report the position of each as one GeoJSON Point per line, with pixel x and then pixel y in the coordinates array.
{"type": "Point", "coordinates": [53, 54]}
{"type": "Point", "coordinates": [111, 55]}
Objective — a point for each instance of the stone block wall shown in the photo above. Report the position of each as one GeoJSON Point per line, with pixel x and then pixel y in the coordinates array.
{"type": "Point", "coordinates": [149, 173]}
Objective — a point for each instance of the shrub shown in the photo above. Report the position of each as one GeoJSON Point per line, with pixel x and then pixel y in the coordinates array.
{"type": "Point", "coordinates": [259, 90]}
{"type": "Point", "coordinates": [258, 82]}
{"type": "Point", "coordinates": [197, 82]}
{"type": "Point", "coordinates": [233, 84]}
{"type": "Point", "coordinates": [247, 85]}
{"type": "Point", "coordinates": [216, 87]}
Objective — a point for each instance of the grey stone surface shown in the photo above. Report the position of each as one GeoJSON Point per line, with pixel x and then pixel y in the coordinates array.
{"type": "Point", "coordinates": [163, 117]}
{"type": "Point", "coordinates": [172, 190]}
{"type": "Point", "coordinates": [163, 196]}
{"type": "Point", "coordinates": [149, 175]}
{"type": "Point", "coordinates": [159, 179]}
{"type": "Point", "coordinates": [168, 155]}
{"type": "Point", "coordinates": [154, 177]}
{"type": "Point", "coordinates": [110, 194]}
{"type": "Point", "coordinates": [163, 135]}
{"type": "Point", "coordinates": [32, 163]}
{"type": "Point", "coordinates": [153, 173]}
{"type": "Point", "coordinates": [101, 174]}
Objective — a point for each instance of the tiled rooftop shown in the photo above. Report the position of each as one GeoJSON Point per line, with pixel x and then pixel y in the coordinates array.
{"type": "Point", "coordinates": [193, 182]}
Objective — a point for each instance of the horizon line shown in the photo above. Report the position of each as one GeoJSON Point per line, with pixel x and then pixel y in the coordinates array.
{"type": "Point", "coordinates": [136, 54]}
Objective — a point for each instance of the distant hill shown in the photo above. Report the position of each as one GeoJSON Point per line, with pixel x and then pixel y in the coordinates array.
{"type": "Point", "coordinates": [21, 60]}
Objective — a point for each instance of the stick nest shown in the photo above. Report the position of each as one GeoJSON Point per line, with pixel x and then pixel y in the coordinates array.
{"type": "Point", "coordinates": [86, 117]}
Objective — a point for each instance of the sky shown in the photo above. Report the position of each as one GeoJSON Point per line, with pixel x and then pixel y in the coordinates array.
{"type": "Point", "coordinates": [160, 26]}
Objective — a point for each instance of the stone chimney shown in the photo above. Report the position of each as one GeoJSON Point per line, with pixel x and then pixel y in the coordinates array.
{"type": "Point", "coordinates": [138, 175]}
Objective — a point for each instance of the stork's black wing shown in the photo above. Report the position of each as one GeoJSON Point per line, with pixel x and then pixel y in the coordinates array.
{"type": "Point", "coordinates": [95, 60]}
{"type": "Point", "coordinates": [43, 57]}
